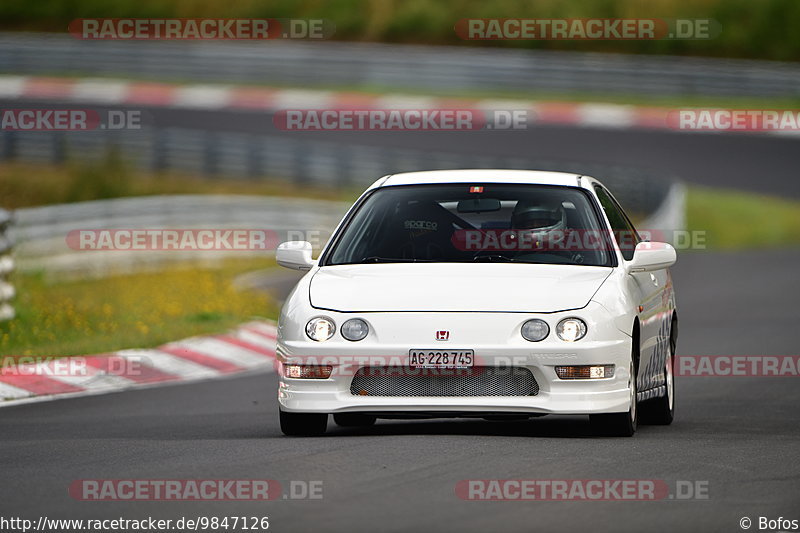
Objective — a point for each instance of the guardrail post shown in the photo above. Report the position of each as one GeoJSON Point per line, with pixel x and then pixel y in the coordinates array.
{"type": "Point", "coordinates": [9, 145]}
{"type": "Point", "coordinates": [210, 153]}
{"type": "Point", "coordinates": [59, 148]}
{"type": "Point", "coordinates": [343, 167]}
{"type": "Point", "coordinates": [255, 157]}
{"type": "Point", "coordinates": [302, 154]}
{"type": "Point", "coordinates": [7, 291]}
{"type": "Point", "coordinates": [158, 162]}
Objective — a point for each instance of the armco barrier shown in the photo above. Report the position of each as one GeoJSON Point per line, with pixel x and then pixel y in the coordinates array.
{"type": "Point", "coordinates": [42, 243]}
{"type": "Point", "coordinates": [7, 292]}
{"type": "Point", "coordinates": [396, 67]}
{"type": "Point", "coordinates": [308, 162]}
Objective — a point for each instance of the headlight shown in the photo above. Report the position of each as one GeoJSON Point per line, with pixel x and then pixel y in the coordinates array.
{"type": "Point", "coordinates": [354, 329]}
{"type": "Point", "coordinates": [320, 328]}
{"type": "Point", "coordinates": [535, 330]}
{"type": "Point", "coordinates": [571, 329]}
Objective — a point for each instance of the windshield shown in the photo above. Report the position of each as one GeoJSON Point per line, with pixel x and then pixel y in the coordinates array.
{"type": "Point", "coordinates": [473, 222]}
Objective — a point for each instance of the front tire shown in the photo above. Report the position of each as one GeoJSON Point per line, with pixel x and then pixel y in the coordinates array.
{"type": "Point", "coordinates": [619, 424]}
{"type": "Point", "coordinates": [303, 424]}
{"type": "Point", "coordinates": [661, 411]}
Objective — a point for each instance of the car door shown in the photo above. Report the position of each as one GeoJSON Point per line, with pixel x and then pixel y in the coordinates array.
{"type": "Point", "coordinates": [649, 290]}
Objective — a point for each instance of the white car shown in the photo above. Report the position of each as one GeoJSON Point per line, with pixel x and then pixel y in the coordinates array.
{"type": "Point", "coordinates": [479, 293]}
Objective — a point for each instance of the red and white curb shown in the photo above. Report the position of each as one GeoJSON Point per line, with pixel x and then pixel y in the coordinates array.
{"type": "Point", "coordinates": [102, 91]}
{"type": "Point", "coordinates": [248, 348]}
{"type": "Point", "coordinates": [110, 92]}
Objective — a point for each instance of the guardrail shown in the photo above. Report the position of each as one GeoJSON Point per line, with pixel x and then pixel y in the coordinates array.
{"type": "Point", "coordinates": [42, 244]}
{"type": "Point", "coordinates": [396, 67]}
{"type": "Point", "coordinates": [41, 232]}
{"type": "Point", "coordinates": [308, 162]}
{"type": "Point", "coordinates": [7, 291]}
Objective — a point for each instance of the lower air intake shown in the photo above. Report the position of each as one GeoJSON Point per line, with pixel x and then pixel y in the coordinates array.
{"type": "Point", "coordinates": [476, 381]}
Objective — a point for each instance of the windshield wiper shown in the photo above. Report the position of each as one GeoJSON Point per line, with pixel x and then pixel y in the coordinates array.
{"type": "Point", "coordinates": [481, 258]}
{"type": "Point", "coordinates": [377, 259]}
{"type": "Point", "coordinates": [494, 257]}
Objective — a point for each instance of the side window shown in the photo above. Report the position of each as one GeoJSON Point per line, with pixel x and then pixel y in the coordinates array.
{"type": "Point", "coordinates": [624, 233]}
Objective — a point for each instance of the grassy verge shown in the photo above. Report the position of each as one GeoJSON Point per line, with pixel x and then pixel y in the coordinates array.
{"type": "Point", "coordinates": [148, 309]}
{"type": "Point", "coordinates": [731, 219]}
{"type": "Point", "coordinates": [735, 220]}
{"type": "Point", "coordinates": [129, 311]}
{"type": "Point", "coordinates": [26, 185]}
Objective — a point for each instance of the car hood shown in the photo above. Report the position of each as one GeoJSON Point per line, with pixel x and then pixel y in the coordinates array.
{"type": "Point", "coordinates": [455, 287]}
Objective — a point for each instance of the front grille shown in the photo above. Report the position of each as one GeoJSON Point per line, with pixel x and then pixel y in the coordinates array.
{"type": "Point", "coordinates": [476, 381]}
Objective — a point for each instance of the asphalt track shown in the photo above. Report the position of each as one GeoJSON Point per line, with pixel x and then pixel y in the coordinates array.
{"type": "Point", "coordinates": [758, 163]}
{"type": "Point", "coordinates": [738, 435]}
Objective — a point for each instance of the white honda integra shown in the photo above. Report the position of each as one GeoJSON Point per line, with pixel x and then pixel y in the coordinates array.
{"type": "Point", "coordinates": [479, 293]}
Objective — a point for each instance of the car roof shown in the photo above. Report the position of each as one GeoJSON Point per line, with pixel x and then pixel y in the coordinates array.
{"type": "Point", "coordinates": [482, 175]}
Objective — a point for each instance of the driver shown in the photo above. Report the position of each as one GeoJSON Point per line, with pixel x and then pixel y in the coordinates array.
{"type": "Point", "coordinates": [546, 220]}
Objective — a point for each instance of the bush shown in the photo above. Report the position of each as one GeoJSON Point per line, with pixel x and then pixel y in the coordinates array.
{"type": "Point", "coordinates": [752, 29]}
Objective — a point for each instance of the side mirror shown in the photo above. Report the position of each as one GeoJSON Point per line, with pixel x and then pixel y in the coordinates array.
{"type": "Point", "coordinates": [650, 256]}
{"type": "Point", "coordinates": [295, 255]}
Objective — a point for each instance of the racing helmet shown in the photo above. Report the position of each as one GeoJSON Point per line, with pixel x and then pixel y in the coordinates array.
{"type": "Point", "coordinates": [546, 219]}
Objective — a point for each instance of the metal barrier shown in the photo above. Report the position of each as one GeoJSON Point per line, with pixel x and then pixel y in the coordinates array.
{"type": "Point", "coordinates": [7, 291]}
{"type": "Point", "coordinates": [307, 162]}
{"type": "Point", "coordinates": [42, 244]}
{"type": "Point", "coordinates": [396, 67]}
{"type": "Point", "coordinates": [41, 233]}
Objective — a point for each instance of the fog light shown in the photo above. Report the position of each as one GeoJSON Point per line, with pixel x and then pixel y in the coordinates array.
{"type": "Point", "coordinates": [307, 371]}
{"type": "Point", "coordinates": [585, 372]}
{"type": "Point", "coordinates": [535, 330]}
{"type": "Point", "coordinates": [354, 329]}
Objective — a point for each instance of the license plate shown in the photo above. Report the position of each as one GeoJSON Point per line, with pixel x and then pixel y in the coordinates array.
{"type": "Point", "coordinates": [441, 358]}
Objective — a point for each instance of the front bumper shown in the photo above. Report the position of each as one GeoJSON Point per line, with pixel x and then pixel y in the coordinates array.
{"type": "Point", "coordinates": [604, 344]}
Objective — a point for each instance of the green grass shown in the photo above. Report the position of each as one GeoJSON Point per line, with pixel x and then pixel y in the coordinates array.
{"type": "Point", "coordinates": [129, 311]}
{"type": "Point", "coordinates": [730, 219]}
{"type": "Point", "coordinates": [57, 318]}
{"type": "Point", "coordinates": [735, 220]}
{"type": "Point", "coordinates": [754, 29]}
{"type": "Point", "coordinates": [27, 185]}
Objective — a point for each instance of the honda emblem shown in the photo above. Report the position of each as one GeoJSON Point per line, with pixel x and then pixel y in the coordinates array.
{"type": "Point", "coordinates": [442, 335]}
